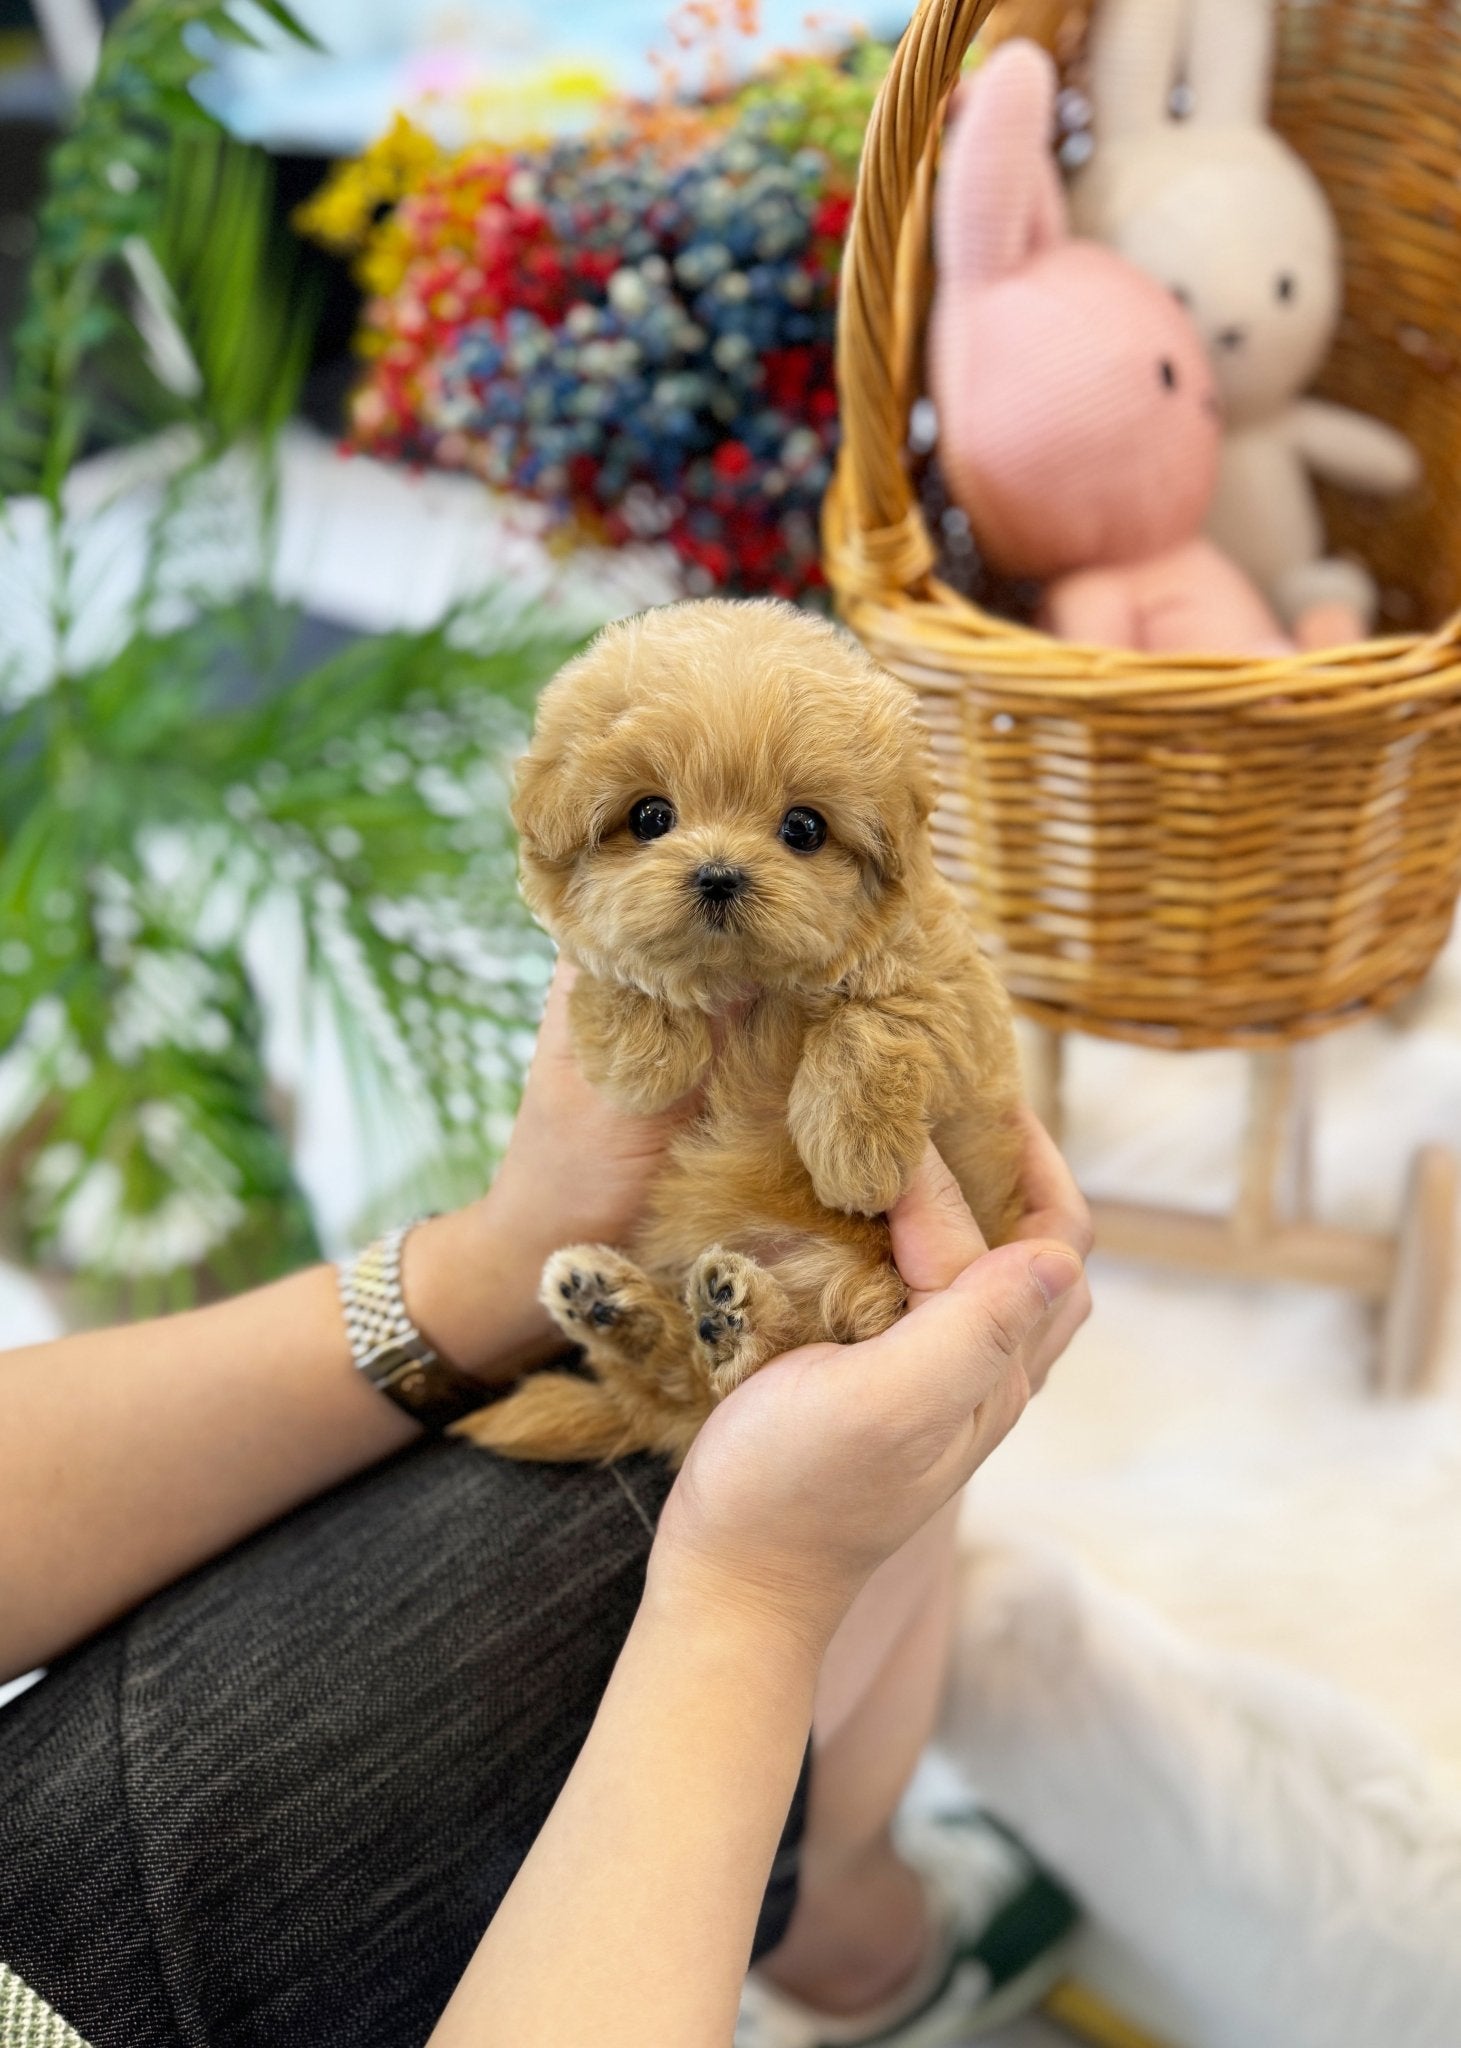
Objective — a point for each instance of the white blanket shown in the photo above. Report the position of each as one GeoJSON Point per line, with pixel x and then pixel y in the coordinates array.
{"type": "Point", "coordinates": [1210, 1656]}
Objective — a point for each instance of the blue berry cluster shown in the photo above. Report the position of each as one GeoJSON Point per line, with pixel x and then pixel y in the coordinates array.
{"type": "Point", "coordinates": [690, 395]}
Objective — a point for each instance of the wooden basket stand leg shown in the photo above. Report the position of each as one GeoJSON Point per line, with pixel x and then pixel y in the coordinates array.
{"type": "Point", "coordinates": [1271, 1232]}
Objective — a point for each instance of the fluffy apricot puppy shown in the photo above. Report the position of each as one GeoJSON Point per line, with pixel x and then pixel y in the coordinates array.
{"type": "Point", "coordinates": [724, 821]}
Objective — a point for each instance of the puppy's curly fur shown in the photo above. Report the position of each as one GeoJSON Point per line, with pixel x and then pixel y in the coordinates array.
{"type": "Point", "coordinates": [828, 996]}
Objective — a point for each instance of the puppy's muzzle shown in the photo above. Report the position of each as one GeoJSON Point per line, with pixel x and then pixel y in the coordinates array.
{"type": "Point", "coordinates": [718, 889]}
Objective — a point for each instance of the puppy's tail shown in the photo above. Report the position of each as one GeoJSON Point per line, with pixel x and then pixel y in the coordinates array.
{"type": "Point", "coordinates": [552, 1418]}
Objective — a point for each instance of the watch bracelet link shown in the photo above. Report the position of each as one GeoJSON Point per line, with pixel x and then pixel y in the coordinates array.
{"type": "Point", "coordinates": [386, 1345]}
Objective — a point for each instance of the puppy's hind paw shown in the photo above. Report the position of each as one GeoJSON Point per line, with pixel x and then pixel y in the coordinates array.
{"type": "Point", "coordinates": [740, 1314]}
{"type": "Point", "coordinates": [577, 1292]}
{"type": "Point", "coordinates": [593, 1293]}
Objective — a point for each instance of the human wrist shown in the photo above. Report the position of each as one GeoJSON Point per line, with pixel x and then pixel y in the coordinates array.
{"type": "Point", "coordinates": [470, 1284]}
{"type": "Point", "coordinates": [794, 1614]}
{"type": "Point", "coordinates": [740, 1626]}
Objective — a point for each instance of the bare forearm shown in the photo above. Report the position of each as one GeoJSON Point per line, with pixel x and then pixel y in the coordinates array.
{"type": "Point", "coordinates": [630, 1923]}
{"type": "Point", "coordinates": [129, 1456]}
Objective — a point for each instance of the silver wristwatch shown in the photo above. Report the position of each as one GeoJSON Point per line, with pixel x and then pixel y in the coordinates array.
{"type": "Point", "coordinates": [387, 1346]}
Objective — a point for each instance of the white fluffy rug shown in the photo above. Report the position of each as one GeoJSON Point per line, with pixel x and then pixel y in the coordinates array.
{"type": "Point", "coordinates": [1211, 1654]}
{"type": "Point", "coordinates": [1264, 1864]}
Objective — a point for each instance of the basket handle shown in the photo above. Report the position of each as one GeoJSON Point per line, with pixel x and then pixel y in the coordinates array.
{"type": "Point", "coordinates": [875, 535]}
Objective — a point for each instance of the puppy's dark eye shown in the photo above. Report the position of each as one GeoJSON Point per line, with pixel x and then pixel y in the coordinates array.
{"type": "Point", "coordinates": [1285, 285]}
{"type": "Point", "coordinates": [803, 830]}
{"type": "Point", "coordinates": [1167, 371]}
{"type": "Point", "coordinates": [652, 817]}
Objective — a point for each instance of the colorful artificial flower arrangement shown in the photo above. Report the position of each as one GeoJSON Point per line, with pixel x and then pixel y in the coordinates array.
{"type": "Point", "coordinates": [634, 327]}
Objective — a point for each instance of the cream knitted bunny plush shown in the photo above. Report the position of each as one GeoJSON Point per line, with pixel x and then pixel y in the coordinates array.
{"type": "Point", "coordinates": [1216, 207]}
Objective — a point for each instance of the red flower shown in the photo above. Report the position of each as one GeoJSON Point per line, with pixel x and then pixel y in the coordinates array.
{"type": "Point", "coordinates": [788, 373]}
{"type": "Point", "coordinates": [832, 216]}
{"type": "Point", "coordinates": [731, 459]}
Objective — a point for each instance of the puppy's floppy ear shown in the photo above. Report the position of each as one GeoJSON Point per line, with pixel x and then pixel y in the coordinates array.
{"type": "Point", "coordinates": [551, 824]}
{"type": "Point", "coordinates": [560, 804]}
{"type": "Point", "coordinates": [893, 832]}
{"type": "Point", "coordinates": [922, 783]}
{"type": "Point", "coordinates": [551, 806]}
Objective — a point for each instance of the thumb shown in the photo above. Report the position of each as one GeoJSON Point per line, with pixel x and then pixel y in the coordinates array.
{"type": "Point", "coordinates": [963, 1341]}
{"type": "Point", "coordinates": [1029, 1274]}
{"type": "Point", "coordinates": [934, 1236]}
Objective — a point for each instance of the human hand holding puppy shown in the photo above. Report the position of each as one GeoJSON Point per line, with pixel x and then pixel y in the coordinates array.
{"type": "Point", "coordinates": [831, 1458]}
{"type": "Point", "coordinates": [580, 1163]}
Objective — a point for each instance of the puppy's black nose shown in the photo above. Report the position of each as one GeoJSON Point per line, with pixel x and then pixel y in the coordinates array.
{"type": "Point", "coordinates": [1230, 337]}
{"type": "Point", "coordinates": [718, 883]}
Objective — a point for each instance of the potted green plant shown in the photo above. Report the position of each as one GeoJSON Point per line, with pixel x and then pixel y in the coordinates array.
{"type": "Point", "coordinates": [172, 771]}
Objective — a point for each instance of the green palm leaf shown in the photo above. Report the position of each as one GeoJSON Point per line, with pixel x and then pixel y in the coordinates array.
{"type": "Point", "coordinates": [166, 791]}
{"type": "Point", "coordinates": [133, 178]}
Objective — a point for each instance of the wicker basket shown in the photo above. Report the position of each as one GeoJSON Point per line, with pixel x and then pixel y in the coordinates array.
{"type": "Point", "coordinates": [1216, 852]}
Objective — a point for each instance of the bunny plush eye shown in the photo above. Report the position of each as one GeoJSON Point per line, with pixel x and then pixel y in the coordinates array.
{"type": "Point", "coordinates": [1285, 286]}
{"type": "Point", "coordinates": [1167, 371]}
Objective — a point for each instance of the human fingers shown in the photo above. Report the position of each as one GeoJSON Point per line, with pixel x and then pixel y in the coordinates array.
{"type": "Point", "coordinates": [552, 1067]}
{"type": "Point", "coordinates": [1054, 1208]}
{"type": "Point", "coordinates": [1053, 1335]}
{"type": "Point", "coordinates": [934, 1235]}
{"type": "Point", "coordinates": [953, 1349]}
{"type": "Point", "coordinates": [1054, 1205]}
{"type": "Point", "coordinates": [935, 1238]}
{"type": "Point", "coordinates": [554, 1041]}
{"type": "Point", "coordinates": [987, 1426]}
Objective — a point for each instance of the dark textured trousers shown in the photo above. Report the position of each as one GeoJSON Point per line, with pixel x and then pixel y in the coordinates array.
{"type": "Point", "coordinates": [280, 1802]}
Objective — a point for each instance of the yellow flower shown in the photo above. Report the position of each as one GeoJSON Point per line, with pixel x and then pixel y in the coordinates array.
{"type": "Point", "coordinates": [344, 212]}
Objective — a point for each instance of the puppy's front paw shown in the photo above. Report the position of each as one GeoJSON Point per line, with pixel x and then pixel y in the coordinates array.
{"type": "Point", "coordinates": [860, 1166]}
{"type": "Point", "coordinates": [643, 1054]}
{"type": "Point", "coordinates": [740, 1314]}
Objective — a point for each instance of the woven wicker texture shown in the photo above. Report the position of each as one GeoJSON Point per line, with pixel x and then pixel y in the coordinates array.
{"type": "Point", "coordinates": [1214, 852]}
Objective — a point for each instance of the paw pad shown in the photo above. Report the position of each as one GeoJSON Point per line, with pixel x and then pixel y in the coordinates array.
{"type": "Point", "coordinates": [589, 1298]}
{"type": "Point", "coordinates": [717, 1298]}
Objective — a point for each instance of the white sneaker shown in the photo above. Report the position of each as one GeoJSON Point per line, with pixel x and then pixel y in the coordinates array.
{"type": "Point", "coordinates": [1003, 1932]}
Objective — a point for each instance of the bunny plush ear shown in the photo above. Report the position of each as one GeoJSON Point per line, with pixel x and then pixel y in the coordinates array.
{"type": "Point", "coordinates": [999, 200]}
{"type": "Point", "coordinates": [1135, 56]}
{"type": "Point", "coordinates": [1222, 49]}
{"type": "Point", "coordinates": [1229, 61]}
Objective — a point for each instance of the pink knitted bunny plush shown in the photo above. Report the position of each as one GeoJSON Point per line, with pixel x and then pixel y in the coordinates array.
{"type": "Point", "coordinates": [1078, 421]}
